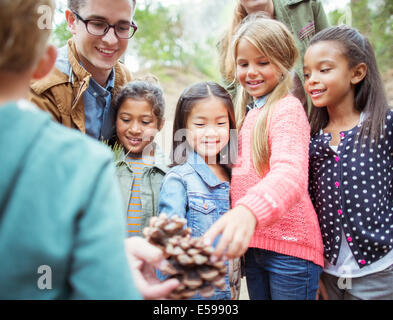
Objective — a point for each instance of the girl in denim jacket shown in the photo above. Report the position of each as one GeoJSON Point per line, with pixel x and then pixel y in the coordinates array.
{"type": "Point", "coordinates": [197, 185]}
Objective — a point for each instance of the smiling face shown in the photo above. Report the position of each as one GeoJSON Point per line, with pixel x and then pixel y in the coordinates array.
{"type": "Point", "coordinates": [136, 125]}
{"type": "Point", "coordinates": [208, 128]}
{"type": "Point", "coordinates": [257, 75]}
{"type": "Point", "coordinates": [328, 78]}
{"type": "Point", "coordinates": [99, 54]}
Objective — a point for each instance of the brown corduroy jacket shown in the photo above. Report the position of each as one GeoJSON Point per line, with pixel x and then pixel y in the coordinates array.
{"type": "Point", "coordinates": [62, 95]}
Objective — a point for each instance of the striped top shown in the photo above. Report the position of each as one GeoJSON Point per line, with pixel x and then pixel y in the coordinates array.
{"type": "Point", "coordinates": [134, 213]}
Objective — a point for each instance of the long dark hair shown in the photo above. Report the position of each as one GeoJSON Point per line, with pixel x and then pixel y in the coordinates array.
{"type": "Point", "coordinates": [370, 97]}
{"type": "Point", "coordinates": [186, 102]}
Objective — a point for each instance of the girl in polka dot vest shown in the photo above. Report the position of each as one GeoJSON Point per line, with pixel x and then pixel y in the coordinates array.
{"type": "Point", "coordinates": [351, 165]}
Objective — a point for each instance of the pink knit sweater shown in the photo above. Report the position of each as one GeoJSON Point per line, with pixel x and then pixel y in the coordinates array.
{"type": "Point", "coordinates": [287, 222]}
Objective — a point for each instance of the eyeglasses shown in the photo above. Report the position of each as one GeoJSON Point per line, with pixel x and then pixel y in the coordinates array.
{"type": "Point", "coordinates": [96, 27]}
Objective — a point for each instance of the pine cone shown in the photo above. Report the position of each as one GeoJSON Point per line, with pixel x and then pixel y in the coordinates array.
{"type": "Point", "coordinates": [189, 258]}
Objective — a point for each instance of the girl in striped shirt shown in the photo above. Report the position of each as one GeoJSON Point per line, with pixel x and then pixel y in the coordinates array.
{"type": "Point", "coordinates": [141, 165]}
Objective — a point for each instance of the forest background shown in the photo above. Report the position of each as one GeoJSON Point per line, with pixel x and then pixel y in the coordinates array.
{"type": "Point", "coordinates": [176, 41]}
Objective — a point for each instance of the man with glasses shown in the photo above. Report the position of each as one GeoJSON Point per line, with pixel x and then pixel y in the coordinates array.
{"type": "Point", "coordinates": [78, 92]}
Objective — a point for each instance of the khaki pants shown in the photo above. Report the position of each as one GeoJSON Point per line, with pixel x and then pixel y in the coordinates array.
{"type": "Point", "coordinates": [376, 286]}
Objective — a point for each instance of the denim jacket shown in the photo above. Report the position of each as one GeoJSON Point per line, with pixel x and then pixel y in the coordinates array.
{"type": "Point", "coordinates": [151, 180]}
{"type": "Point", "coordinates": [193, 191]}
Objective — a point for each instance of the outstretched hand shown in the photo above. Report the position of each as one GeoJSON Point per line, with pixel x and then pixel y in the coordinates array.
{"type": "Point", "coordinates": [237, 227]}
{"type": "Point", "coordinates": [143, 258]}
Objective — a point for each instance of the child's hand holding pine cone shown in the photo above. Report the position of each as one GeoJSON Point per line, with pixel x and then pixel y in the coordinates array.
{"type": "Point", "coordinates": [189, 258]}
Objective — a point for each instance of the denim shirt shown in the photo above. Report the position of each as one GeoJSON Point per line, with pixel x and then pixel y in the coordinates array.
{"type": "Point", "coordinates": [194, 192]}
{"type": "Point", "coordinates": [258, 103]}
{"type": "Point", "coordinates": [98, 114]}
{"type": "Point", "coordinates": [98, 118]}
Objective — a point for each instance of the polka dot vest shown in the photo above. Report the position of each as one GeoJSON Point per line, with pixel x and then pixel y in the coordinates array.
{"type": "Point", "coordinates": [351, 190]}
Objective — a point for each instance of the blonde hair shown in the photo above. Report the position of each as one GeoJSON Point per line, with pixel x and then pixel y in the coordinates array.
{"type": "Point", "coordinates": [22, 39]}
{"type": "Point", "coordinates": [227, 68]}
{"type": "Point", "coordinates": [274, 40]}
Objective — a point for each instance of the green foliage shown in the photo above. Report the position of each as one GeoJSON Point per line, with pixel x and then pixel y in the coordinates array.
{"type": "Point", "coordinates": [335, 16]}
{"type": "Point", "coordinates": [157, 40]}
{"type": "Point", "coordinates": [204, 59]}
{"type": "Point", "coordinates": [118, 152]}
{"type": "Point", "coordinates": [60, 35]}
{"type": "Point", "coordinates": [160, 41]}
{"type": "Point", "coordinates": [374, 19]}
{"type": "Point", "coordinates": [382, 34]}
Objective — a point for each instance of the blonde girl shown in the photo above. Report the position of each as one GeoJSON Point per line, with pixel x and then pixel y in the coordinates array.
{"type": "Point", "coordinates": [273, 215]}
{"type": "Point", "coordinates": [303, 19]}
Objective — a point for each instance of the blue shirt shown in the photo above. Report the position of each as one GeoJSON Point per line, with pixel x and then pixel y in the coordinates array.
{"type": "Point", "coordinates": [99, 121]}
{"type": "Point", "coordinates": [194, 192]}
{"type": "Point", "coordinates": [352, 191]}
{"type": "Point", "coordinates": [97, 100]}
{"type": "Point", "coordinates": [69, 223]}
{"type": "Point", "coordinates": [257, 103]}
